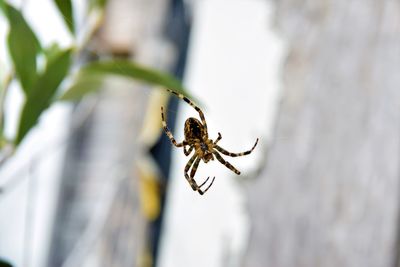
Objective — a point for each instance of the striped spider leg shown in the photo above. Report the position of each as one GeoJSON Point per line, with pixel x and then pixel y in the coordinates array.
{"type": "Point", "coordinates": [223, 151]}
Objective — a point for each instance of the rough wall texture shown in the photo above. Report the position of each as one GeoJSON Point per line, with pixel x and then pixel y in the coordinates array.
{"type": "Point", "coordinates": [329, 195]}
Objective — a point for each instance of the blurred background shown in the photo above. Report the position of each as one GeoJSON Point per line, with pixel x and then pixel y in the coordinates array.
{"type": "Point", "coordinates": [97, 183]}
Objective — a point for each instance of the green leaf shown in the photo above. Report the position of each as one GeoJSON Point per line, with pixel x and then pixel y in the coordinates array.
{"type": "Point", "coordinates": [23, 47]}
{"type": "Point", "coordinates": [92, 75]}
{"type": "Point", "coordinates": [135, 71]}
{"type": "Point", "coordinates": [83, 85]}
{"type": "Point", "coordinates": [65, 8]}
{"type": "Point", "coordinates": [43, 92]}
{"type": "Point", "coordinates": [52, 51]}
{"type": "Point", "coordinates": [97, 4]}
{"type": "Point", "coordinates": [2, 7]}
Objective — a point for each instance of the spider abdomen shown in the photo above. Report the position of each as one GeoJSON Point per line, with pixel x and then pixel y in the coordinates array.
{"type": "Point", "coordinates": [193, 129]}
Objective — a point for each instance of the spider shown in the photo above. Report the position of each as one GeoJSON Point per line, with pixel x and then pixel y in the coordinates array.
{"type": "Point", "coordinates": [196, 137]}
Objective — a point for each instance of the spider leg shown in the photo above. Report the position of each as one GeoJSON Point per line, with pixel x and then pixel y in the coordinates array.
{"type": "Point", "coordinates": [201, 192]}
{"type": "Point", "coordinates": [226, 163]}
{"type": "Point", "coordinates": [223, 151]}
{"type": "Point", "coordinates": [168, 132]}
{"type": "Point", "coordinates": [194, 168]}
{"type": "Point", "coordinates": [193, 172]}
{"type": "Point", "coordinates": [187, 100]}
{"type": "Point", "coordinates": [219, 138]}
{"type": "Point", "coordinates": [187, 152]}
{"type": "Point", "coordinates": [190, 179]}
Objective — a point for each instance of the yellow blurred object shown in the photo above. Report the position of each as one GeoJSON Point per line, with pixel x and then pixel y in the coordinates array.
{"type": "Point", "coordinates": [145, 259]}
{"type": "Point", "coordinates": [151, 129]}
{"type": "Point", "coordinates": [149, 188]}
{"type": "Point", "coordinates": [149, 174]}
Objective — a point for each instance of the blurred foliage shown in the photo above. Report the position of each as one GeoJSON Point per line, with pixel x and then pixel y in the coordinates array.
{"type": "Point", "coordinates": [65, 8]}
{"type": "Point", "coordinates": [4, 264]}
{"type": "Point", "coordinates": [92, 74]}
{"type": "Point", "coordinates": [23, 47]}
{"type": "Point", "coordinates": [99, 4]}
{"type": "Point", "coordinates": [41, 86]}
{"type": "Point", "coordinates": [41, 94]}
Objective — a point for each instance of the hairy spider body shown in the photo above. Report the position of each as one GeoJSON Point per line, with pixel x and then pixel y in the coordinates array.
{"type": "Point", "coordinates": [196, 138]}
{"type": "Point", "coordinates": [193, 130]}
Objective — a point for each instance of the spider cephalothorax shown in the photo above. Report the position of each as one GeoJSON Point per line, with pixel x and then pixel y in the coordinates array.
{"type": "Point", "coordinates": [196, 138]}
